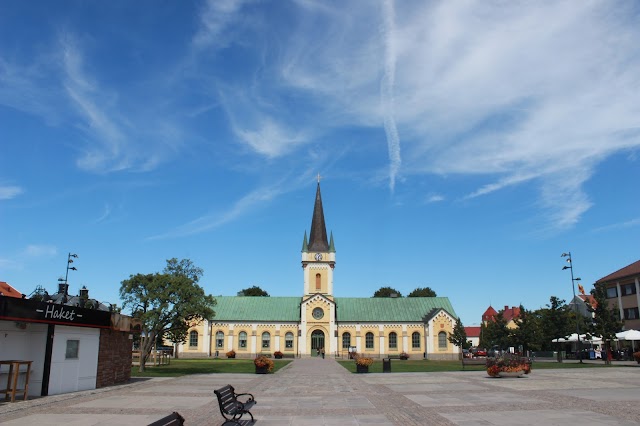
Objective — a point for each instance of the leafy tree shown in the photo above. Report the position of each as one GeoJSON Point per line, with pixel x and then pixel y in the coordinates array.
{"type": "Point", "coordinates": [177, 333]}
{"type": "Point", "coordinates": [161, 300]}
{"type": "Point", "coordinates": [459, 336]}
{"type": "Point", "coordinates": [495, 333]}
{"type": "Point", "coordinates": [422, 292]}
{"type": "Point", "coordinates": [527, 331]}
{"type": "Point", "coordinates": [555, 321]}
{"type": "Point", "coordinates": [606, 322]}
{"type": "Point", "coordinates": [386, 292]}
{"type": "Point", "coordinates": [254, 291]}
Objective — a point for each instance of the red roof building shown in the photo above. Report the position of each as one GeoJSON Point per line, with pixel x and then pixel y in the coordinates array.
{"type": "Point", "coordinates": [623, 293]}
{"type": "Point", "coordinates": [7, 290]}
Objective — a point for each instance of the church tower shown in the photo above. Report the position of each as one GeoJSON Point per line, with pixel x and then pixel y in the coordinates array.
{"type": "Point", "coordinates": [318, 254]}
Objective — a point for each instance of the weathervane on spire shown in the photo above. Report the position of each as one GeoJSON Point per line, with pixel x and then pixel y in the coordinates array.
{"type": "Point", "coordinates": [319, 177]}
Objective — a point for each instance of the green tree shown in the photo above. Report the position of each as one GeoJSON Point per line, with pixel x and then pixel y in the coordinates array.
{"type": "Point", "coordinates": [386, 292]}
{"type": "Point", "coordinates": [527, 331]}
{"type": "Point", "coordinates": [422, 292]}
{"type": "Point", "coordinates": [253, 291]}
{"type": "Point", "coordinates": [177, 333]}
{"type": "Point", "coordinates": [555, 321]}
{"type": "Point", "coordinates": [495, 333]}
{"type": "Point", "coordinates": [160, 300]}
{"type": "Point", "coordinates": [459, 337]}
{"type": "Point", "coordinates": [606, 321]}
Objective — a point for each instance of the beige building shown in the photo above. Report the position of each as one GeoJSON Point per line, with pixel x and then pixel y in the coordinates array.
{"type": "Point", "coordinates": [623, 292]}
{"type": "Point", "coordinates": [307, 324]}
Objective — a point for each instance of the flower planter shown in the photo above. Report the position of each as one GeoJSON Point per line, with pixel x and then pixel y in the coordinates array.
{"type": "Point", "coordinates": [362, 368]}
{"type": "Point", "coordinates": [278, 356]}
{"type": "Point", "coordinates": [231, 356]}
{"type": "Point", "coordinates": [262, 370]}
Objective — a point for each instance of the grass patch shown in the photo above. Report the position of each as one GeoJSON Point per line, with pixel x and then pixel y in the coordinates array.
{"type": "Point", "coordinates": [428, 366]}
{"type": "Point", "coordinates": [183, 367]}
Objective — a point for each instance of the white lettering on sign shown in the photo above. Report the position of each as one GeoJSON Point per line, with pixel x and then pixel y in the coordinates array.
{"type": "Point", "coordinates": [54, 312]}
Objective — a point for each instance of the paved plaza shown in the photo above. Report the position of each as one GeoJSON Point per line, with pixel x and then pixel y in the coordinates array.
{"type": "Point", "coordinates": [320, 392]}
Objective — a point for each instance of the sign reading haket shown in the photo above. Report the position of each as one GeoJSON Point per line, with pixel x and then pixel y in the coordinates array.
{"type": "Point", "coordinates": [34, 311]}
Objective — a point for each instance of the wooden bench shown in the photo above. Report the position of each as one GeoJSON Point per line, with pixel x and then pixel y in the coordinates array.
{"type": "Point", "coordinates": [473, 361]}
{"type": "Point", "coordinates": [173, 419]}
{"type": "Point", "coordinates": [231, 409]}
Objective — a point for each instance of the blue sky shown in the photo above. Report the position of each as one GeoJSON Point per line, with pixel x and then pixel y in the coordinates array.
{"type": "Point", "coordinates": [463, 145]}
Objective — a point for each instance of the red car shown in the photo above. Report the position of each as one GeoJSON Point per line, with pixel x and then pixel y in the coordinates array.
{"type": "Point", "coordinates": [477, 352]}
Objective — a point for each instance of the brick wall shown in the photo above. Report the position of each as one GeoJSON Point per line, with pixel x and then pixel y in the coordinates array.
{"type": "Point", "coordinates": [114, 359]}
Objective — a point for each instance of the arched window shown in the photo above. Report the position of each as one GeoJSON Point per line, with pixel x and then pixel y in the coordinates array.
{"type": "Point", "coordinates": [318, 282]}
{"type": "Point", "coordinates": [242, 339]}
{"type": "Point", "coordinates": [288, 340]}
{"type": "Point", "coordinates": [193, 339]}
{"type": "Point", "coordinates": [442, 340]}
{"type": "Point", "coordinates": [266, 340]}
{"type": "Point", "coordinates": [415, 340]}
{"type": "Point", "coordinates": [346, 340]}
{"type": "Point", "coordinates": [393, 340]}
{"type": "Point", "coordinates": [219, 339]}
{"type": "Point", "coordinates": [368, 340]}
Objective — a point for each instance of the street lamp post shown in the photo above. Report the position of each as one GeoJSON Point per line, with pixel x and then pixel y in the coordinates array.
{"type": "Point", "coordinates": [66, 276]}
{"type": "Point", "coordinates": [573, 287]}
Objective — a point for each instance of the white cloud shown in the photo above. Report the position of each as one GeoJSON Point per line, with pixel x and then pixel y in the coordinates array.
{"type": "Point", "coordinates": [435, 198]}
{"type": "Point", "coordinates": [523, 92]}
{"type": "Point", "coordinates": [40, 250]}
{"type": "Point", "coordinates": [9, 192]}
{"type": "Point", "coordinates": [215, 19]}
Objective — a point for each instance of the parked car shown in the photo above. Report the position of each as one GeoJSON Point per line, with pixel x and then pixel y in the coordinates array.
{"type": "Point", "coordinates": [466, 353]}
{"type": "Point", "coordinates": [478, 352]}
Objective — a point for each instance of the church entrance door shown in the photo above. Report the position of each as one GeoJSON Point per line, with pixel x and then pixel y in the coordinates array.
{"type": "Point", "coordinates": [317, 341]}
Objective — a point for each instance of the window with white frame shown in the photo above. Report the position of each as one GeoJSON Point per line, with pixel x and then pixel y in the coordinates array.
{"type": "Point", "coordinates": [288, 340]}
{"type": "Point", "coordinates": [266, 340]}
{"type": "Point", "coordinates": [193, 339]}
{"type": "Point", "coordinates": [415, 340]}
{"type": "Point", "coordinates": [219, 339]}
{"type": "Point", "coordinates": [442, 340]}
{"type": "Point", "coordinates": [346, 340]}
{"type": "Point", "coordinates": [393, 340]}
{"type": "Point", "coordinates": [368, 340]}
{"type": "Point", "coordinates": [242, 339]}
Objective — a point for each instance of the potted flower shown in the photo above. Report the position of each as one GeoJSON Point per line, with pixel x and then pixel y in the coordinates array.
{"type": "Point", "coordinates": [404, 356]}
{"type": "Point", "coordinates": [363, 363]}
{"type": "Point", "coordinates": [508, 365]}
{"type": "Point", "coordinates": [263, 364]}
{"type": "Point", "coordinates": [231, 354]}
{"type": "Point", "coordinates": [636, 356]}
{"type": "Point", "coordinates": [277, 355]}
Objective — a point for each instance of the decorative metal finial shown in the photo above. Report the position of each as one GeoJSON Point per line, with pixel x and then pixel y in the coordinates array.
{"type": "Point", "coordinates": [319, 177]}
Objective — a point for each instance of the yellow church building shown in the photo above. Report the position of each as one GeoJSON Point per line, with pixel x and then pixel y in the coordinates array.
{"type": "Point", "coordinates": [304, 326]}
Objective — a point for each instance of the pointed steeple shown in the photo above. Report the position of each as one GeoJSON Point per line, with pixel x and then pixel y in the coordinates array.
{"type": "Point", "coordinates": [305, 246]}
{"type": "Point", "coordinates": [318, 235]}
{"type": "Point", "coordinates": [332, 247]}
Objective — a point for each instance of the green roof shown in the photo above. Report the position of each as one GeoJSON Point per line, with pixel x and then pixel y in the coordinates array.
{"type": "Point", "coordinates": [352, 309]}
{"type": "Point", "coordinates": [386, 309]}
{"type": "Point", "coordinates": [256, 308]}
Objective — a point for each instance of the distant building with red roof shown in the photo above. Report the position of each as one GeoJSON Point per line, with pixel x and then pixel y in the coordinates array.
{"type": "Point", "coordinates": [473, 334]}
{"type": "Point", "coordinates": [509, 314]}
{"type": "Point", "coordinates": [7, 290]}
{"type": "Point", "coordinates": [623, 293]}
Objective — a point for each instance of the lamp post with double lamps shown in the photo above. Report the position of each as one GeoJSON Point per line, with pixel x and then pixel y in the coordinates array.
{"type": "Point", "coordinates": [573, 286]}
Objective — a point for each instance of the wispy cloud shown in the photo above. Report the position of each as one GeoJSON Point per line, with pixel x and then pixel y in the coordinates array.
{"type": "Point", "coordinates": [215, 19]}
{"type": "Point", "coordinates": [434, 198]}
{"type": "Point", "coordinates": [40, 250]}
{"type": "Point", "coordinates": [9, 192]}
{"type": "Point", "coordinates": [622, 225]}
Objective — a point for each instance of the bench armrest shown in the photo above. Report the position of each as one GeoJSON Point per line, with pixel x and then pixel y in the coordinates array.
{"type": "Point", "coordinates": [251, 398]}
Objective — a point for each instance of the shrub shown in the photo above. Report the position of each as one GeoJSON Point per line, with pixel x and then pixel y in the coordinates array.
{"type": "Point", "coordinates": [231, 354]}
{"type": "Point", "coordinates": [364, 361]}
{"type": "Point", "coordinates": [262, 361]}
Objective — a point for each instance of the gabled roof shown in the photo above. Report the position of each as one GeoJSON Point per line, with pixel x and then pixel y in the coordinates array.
{"type": "Point", "coordinates": [390, 309]}
{"type": "Point", "coordinates": [7, 290]}
{"type": "Point", "coordinates": [489, 313]}
{"type": "Point", "coordinates": [472, 331]}
{"type": "Point", "coordinates": [255, 308]}
{"type": "Point", "coordinates": [627, 271]}
{"type": "Point", "coordinates": [511, 314]}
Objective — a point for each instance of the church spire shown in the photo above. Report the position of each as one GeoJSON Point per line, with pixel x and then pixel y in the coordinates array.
{"type": "Point", "coordinates": [318, 235]}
